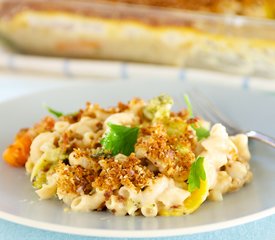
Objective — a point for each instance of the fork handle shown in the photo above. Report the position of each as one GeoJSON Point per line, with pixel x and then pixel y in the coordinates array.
{"type": "Point", "coordinates": [261, 137]}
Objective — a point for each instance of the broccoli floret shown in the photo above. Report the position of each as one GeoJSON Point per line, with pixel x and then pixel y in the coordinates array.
{"type": "Point", "coordinates": [39, 180]}
{"type": "Point", "coordinates": [158, 108]}
{"type": "Point", "coordinates": [47, 160]}
{"type": "Point", "coordinates": [176, 127]}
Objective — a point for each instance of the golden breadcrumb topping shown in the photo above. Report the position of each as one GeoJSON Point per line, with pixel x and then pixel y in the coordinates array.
{"type": "Point", "coordinates": [126, 171]}
{"type": "Point", "coordinates": [74, 179]}
{"type": "Point", "coordinates": [171, 154]}
{"type": "Point", "coordinates": [134, 158]}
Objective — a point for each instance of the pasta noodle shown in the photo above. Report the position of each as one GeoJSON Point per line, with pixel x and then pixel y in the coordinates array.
{"type": "Point", "coordinates": [138, 158]}
{"type": "Point", "coordinates": [87, 203]}
{"type": "Point", "coordinates": [48, 190]}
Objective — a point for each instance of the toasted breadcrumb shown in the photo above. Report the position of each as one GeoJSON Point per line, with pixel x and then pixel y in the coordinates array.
{"type": "Point", "coordinates": [162, 150]}
{"type": "Point", "coordinates": [129, 172]}
{"type": "Point", "coordinates": [75, 179]}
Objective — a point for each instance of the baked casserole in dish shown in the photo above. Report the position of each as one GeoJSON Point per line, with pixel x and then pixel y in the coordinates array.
{"type": "Point", "coordinates": [232, 36]}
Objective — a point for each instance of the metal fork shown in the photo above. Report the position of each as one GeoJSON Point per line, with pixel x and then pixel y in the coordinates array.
{"type": "Point", "coordinates": [206, 109]}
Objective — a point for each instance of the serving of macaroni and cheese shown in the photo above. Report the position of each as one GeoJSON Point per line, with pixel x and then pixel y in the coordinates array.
{"type": "Point", "coordinates": [137, 158]}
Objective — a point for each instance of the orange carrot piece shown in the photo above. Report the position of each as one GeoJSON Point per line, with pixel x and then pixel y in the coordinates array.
{"type": "Point", "coordinates": [17, 153]}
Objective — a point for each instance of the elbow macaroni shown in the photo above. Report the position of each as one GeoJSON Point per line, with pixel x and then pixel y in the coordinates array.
{"type": "Point", "coordinates": [61, 126]}
{"type": "Point", "coordinates": [85, 125]}
{"type": "Point", "coordinates": [86, 203]}
{"type": "Point", "coordinates": [232, 153]}
{"type": "Point", "coordinates": [40, 144]}
{"type": "Point", "coordinates": [48, 190]}
{"type": "Point", "coordinates": [152, 180]}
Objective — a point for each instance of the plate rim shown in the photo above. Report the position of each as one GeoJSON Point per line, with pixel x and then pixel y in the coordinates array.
{"type": "Point", "coordinates": [94, 232]}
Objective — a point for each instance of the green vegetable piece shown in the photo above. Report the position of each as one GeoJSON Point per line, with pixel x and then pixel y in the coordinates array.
{"type": "Point", "coordinates": [54, 112]}
{"type": "Point", "coordinates": [120, 139]}
{"type": "Point", "coordinates": [46, 160]}
{"type": "Point", "coordinates": [53, 155]}
{"type": "Point", "coordinates": [183, 149]}
{"type": "Point", "coordinates": [189, 105]}
{"type": "Point", "coordinates": [158, 108]}
{"type": "Point", "coordinates": [40, 165]}
{"type": "Point", "coordinates": [201, 132]}
{"type": "Point", "coordinates": [39, 180]}
{"type": "Point", "coordinates": [197, 173]}
{"type": "Point", "coordinates": [57, 113]}
{"type": "Point", "coordinates": [101, 153]}
{"type": "Point", "coordinates": [175, 127]}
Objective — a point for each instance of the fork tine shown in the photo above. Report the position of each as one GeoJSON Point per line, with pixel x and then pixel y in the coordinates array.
{"type": "Point", "coordinates": [200, 109]}
{"type": "Point", "coordinates": [219, 115]}
{"type": "Point", "coordinates": [210, 112]}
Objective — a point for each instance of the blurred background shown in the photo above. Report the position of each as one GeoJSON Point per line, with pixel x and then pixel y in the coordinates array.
{"type": "Point", "coordinates": [137, 38]}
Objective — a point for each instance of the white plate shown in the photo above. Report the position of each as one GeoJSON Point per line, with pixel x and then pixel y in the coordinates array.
{"type": "Point", "coordinates": [19, 203]}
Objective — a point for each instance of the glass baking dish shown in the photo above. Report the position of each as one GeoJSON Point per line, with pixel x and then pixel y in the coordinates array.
{"type": "Point", "coordinates": [127, 32]}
